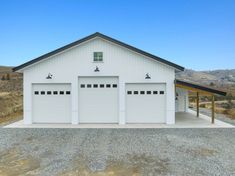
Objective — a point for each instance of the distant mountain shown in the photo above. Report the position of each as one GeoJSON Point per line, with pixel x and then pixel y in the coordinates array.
{"type": "Point", "coordinates": [222, 79]}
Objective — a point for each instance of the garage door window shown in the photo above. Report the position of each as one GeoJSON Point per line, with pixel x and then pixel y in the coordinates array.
{"type": "Point", "coordinates": [114, 85]}
{"type": "Point", "coordinates": [148, 92]}
{"type": "Point", "coordinates": [135, 92]}
{"type": "Point", "coordinates": [154, 92]}
{"type": "Point", "coordinates": [55, 92]}
{"type": "Point", "coordinates": [161, 92]}
{"type": "Point", "coordinates": [61, 92]}
{"type": "Point", "coordinates": [129, 92]}
{"type": "Point", "coordinates": [67, 92]}
{"type": "Point", "coordinates": [48, 92]}
{"type": "Point", "coordinates": [108, 85]}
{"type": "Point", "coordinates": [82, 86]}
{"type": "Point", "coordinates": [42, 92]}
{"type": "Point", "coordinates": [142, 92]}
{"type": "Point", "coordinates": [88, 86]}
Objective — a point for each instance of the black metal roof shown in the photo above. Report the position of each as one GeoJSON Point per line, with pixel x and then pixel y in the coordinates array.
{"type": "Point", "coordinates": [97, 34]}
{"type": "Point", "coordinates": [200, 87]}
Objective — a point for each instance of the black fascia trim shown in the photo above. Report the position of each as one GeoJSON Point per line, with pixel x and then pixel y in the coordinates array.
{"type": "Point", "coordinates": [200, 87]}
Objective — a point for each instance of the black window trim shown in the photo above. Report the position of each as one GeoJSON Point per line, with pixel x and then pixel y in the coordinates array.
{"type": "Point", "coordinates": [49, 92]}
{"type": "Point", "coordinates": [129, 92]}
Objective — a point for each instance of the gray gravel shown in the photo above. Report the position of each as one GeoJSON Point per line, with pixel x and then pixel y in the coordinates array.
{"type": "Point", "coordinates": [117, 152]}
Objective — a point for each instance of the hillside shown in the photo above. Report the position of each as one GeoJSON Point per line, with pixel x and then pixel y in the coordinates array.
{"type": "Point", "coordinates": [11, 96]}
{"type": "Point", "coordinates": [221, 79]}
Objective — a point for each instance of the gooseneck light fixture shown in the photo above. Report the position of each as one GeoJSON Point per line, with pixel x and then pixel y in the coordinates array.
{"type": "Point", "coordinates": [49, 76]}
{"type": "Point", "coordinates": [147, 76]}
{"type": "Point", "coordinates": [96, 69]}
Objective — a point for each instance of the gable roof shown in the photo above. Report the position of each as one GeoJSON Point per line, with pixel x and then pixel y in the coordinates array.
{"type": "Point", "coordinates": [97, 34]}
{"type": "Point", "coordinates": [200, 87]}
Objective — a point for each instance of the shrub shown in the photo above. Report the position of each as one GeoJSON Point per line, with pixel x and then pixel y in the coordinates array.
{"type": "Point", "coordinates": [202, 105]}
{"type": "Point", "coordinates": [8, 76]}
{"type": "Point", "coordinates": [3, 78]}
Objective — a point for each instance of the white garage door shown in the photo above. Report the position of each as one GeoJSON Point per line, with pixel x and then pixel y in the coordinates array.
{"type": "Point", "coordinates": [51, 103]}
{"type": "Point", "coordinates": [145, 103]}
{"type": "Point", "coordinates": [98, 100]}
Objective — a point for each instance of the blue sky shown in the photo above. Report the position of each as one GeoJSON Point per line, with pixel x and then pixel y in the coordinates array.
{"type": "Point", "coordinates": [197, 34]}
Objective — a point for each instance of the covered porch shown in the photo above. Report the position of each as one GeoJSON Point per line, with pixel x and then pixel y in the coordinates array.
{"type": "Point", "coordinates": [183, 89]}
{"type": "Point", "coordinates": [190, 120]}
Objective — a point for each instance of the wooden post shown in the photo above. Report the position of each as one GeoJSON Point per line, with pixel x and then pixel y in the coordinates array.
{"type": "Point", "coordinates": [197, 104]}
{"type": "Point", "coordinates": [213, 109]}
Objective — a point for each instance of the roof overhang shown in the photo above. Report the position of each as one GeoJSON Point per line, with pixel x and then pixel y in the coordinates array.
{"type": "Point", "coordinates": [97, 34]}
{"type": "Point", "coordinates": [198, 88]}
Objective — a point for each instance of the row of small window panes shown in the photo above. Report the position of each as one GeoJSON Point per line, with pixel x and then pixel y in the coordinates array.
{"type": "Point", "coordinates": [98, 85]}
{"type": "Point", "coordinates": [144, 92]}
{"type": "Point", "coordinates": [52, 92]}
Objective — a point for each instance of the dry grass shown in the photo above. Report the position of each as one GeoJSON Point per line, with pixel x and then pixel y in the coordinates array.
{"type": "Point", "coordinates": [11, 106]}
{"type": "Point", "coordinates": [11, 95]}
{"type": "Point", "coordinates": [230, 113]}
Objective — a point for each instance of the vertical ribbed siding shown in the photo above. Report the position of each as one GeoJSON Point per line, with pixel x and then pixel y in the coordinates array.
{"type": "Point", "coordinates": [130, 67]}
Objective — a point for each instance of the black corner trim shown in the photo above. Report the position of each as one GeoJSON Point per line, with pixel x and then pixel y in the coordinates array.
{"type": "Point", "coordinates": [97, 34]}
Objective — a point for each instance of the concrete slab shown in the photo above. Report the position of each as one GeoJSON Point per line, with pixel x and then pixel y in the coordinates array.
{"type": "Point", "coordinates": [183, 120]}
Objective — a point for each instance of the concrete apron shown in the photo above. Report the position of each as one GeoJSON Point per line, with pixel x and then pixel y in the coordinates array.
{"type": "Point", "coordinates": [183, 120]}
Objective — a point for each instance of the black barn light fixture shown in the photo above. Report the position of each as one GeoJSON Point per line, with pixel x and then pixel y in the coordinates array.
{"type": "Point", "coordinates": [147, 76]}
{"type": "Point", "coordinates": [96, 69]}
{"type": "Point", "coordinates": [49, 76]}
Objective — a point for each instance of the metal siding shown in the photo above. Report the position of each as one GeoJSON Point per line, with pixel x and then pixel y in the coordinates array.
{"type": "Point", "coordinates": [182, 102]}
{"type": "Point", "coordinates": [118, 61]}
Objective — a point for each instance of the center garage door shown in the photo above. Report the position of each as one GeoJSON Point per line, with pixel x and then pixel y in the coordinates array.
{"type": "Point", "coordinates": [145, 103]}
{"type": "Point", "coordinates": [51, 103]}
{"type": "Point", "coordinates": [98, 99]}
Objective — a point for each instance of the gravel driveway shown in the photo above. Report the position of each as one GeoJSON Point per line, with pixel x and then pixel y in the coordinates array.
{"type": "Point", "coordinates": [113, 152]}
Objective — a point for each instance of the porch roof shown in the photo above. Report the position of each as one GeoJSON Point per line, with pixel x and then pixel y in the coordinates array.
{"type": "Point", "coordinates": [198, 88]}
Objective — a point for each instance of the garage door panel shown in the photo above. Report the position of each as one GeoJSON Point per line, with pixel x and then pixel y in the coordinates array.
{"type": "Point", "coordinates": [51, 103]}
{"type": "Point", "coordinates": [145, 103]}
{"type": "Point", "coordinates": [98, 100]}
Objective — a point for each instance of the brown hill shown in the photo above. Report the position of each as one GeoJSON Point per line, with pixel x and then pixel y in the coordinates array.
{"type": "Point", "coordinates": [221, 79]}
{"type": "Point", "coordinates": [11, 96]}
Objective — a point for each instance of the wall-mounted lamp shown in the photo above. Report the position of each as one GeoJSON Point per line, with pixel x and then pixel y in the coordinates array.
{"type": "Point", "coordinates": [147, 76]}
{"type": "Point", "coordinates": [49, 76]}
{"type": "Point", "coordinates": [96, 69]}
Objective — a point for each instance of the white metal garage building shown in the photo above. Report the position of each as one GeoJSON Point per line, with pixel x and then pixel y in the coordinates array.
{"type": "Point", "coordinates": [99, 80]}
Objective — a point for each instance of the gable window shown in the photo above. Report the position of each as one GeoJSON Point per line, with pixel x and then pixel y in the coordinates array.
{"type": "Point", "coordinates": [98, 57]}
